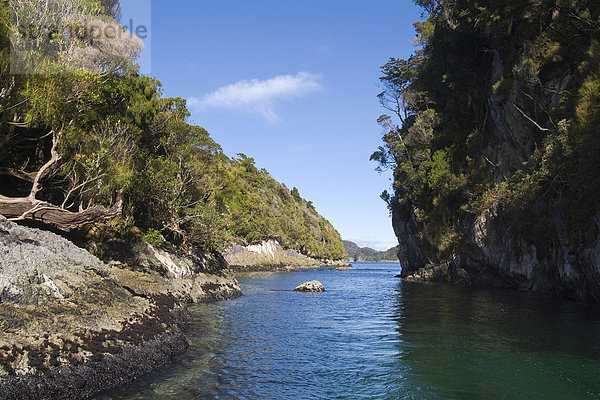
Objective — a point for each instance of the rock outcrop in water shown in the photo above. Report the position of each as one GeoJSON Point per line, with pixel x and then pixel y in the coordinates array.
{"type": "Point", "coordinates": [310, 287]}
{"type": "Point", "coordinates": [498, 248]}
{"type": "Point", "coordinates": [73, 325]}
{"type": "Point", "coordinates": [270, 255]}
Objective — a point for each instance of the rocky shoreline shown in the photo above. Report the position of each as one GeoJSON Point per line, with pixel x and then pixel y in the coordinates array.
{"type": "Point", "coordinates": [501, 257]}
{"type": "Point", "coordinates": [73, 325]}
{"type": "Point", "coordinates": [271, 256]}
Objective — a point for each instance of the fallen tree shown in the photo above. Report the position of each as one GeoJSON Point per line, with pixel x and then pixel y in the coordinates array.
{"type": "Point", "coordinates": [32, 209]}
{"type": "Point", "coordinates": [27, 209]}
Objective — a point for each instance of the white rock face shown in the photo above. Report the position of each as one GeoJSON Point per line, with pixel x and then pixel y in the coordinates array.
{"type": "Point", "coordinates": [269, 255]}
{"type": "Point", "coordinates": [270, 247]}
{"type": "Point", "coordinates": [312, 286]}
{"type": "Point", "coordinates": [50, 283]}
{"type": "Point", "coordinates": [178, 270]}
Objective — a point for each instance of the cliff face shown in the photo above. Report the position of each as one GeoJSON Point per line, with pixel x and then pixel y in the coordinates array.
{"type": "Point", "coordinates": [270, 255]}
{"type": "Point", "coordinates": [72, 325]}
{"type": "Point", "coordinates": [406, 229]}
{"type": "Point", "coordinates": [497, 251]}
{"type": "Point", "coordinates": [502, 256]}
{"type": "Point", "coordinates": [521, 210]}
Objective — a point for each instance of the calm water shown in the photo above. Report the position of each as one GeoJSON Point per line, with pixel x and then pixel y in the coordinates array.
{"type": "Point", "coordinates": [371, 336]}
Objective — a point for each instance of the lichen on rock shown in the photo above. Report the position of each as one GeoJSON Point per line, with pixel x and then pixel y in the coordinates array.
{"type": "Point", "coordinates": [73, 326]}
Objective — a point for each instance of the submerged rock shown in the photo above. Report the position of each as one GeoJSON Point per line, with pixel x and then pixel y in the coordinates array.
{"type": "Point", "coordinates": [312, 286]}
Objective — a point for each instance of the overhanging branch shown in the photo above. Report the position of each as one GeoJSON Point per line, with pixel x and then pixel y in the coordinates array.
{"type": "Point", "coordinates": [27, 209]}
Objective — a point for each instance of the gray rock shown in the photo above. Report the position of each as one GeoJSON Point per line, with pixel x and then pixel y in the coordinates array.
{"type": "Point", "coordinates": [72, 325]}
{"type": "Point", "coordinates": [271, 256]}
{"type": "Point", "coordinates": [312, 286]}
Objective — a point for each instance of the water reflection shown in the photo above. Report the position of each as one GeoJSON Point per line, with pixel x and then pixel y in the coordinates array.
{"type": "Point", "coordinates": [462, 343]}
{"type": "Point", "coordinates": [275, 343]}
{"type": "Point", "coordinates": [371, 337]}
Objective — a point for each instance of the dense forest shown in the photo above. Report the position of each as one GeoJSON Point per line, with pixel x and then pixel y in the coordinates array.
{"type": "Point", "coordinates": [91, 146]}
{"type": "Point", "coordinates": [493, 137]}
{"type": "Point", "coordinates": [355, 253]}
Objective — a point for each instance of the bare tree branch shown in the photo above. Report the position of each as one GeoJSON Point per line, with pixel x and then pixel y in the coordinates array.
{"type": "Point", "coordinates": [55, 158]}
{"type": "Point", "coordinates": [26, 209]}
{"type": "Point", "coordinates": [530, 119]}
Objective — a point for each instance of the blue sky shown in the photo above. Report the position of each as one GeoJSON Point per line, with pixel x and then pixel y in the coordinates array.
{"type": "Point", "coordinates": [293, 84]}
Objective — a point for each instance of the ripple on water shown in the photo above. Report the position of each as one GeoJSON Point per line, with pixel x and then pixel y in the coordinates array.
{"type": "Point", "coordinates": [369, 336]}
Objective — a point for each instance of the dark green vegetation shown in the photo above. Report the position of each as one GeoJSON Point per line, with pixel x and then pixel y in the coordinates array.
{"type": "Point", "coordinates": [355, 253]}
{"type": "Point", "coordinates": [499, 109]}
{"type": "Point", "coordinates": [99, 140]}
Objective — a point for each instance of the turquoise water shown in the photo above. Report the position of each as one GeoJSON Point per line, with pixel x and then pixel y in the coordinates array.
{"type": "Point", "coordinates": [372, 336]}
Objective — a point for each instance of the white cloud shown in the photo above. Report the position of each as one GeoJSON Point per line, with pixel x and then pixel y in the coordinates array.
{"type": "Point", "coordinates": [323, 49]}
{"type": "Point", "coordinates": [259, 97]}
{"type": "Point", "coordinates": [191, 66]}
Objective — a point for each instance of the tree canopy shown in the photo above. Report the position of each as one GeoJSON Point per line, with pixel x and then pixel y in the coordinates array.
{"type": "Point", "coordinates": [498, 106]}
{"type": "Point", "coordinates": [100, 137]}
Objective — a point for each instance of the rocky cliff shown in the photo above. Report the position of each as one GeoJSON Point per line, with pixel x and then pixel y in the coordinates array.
{"type": "Point", "coordinates": [496, 165]}
{"type": "Point", "coordinates": [270, 256]}
{"type": "Point", "coordinates": [501, 257]}
{"type": "Point", "coordinates": [73, 325]}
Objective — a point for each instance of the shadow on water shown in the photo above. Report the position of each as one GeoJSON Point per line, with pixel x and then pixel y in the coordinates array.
{"type": "Point", "coordinates": [495, 344]}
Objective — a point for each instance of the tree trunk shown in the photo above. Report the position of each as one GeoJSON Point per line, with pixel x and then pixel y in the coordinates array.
{"type": "Point", "coordinates": [26, 209]}
{"type": "Point", "coordinates": [31, 209]}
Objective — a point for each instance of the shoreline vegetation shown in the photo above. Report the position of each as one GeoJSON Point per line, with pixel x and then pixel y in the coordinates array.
{"type": "Point", "coordinates": [354, 253]}
{"type": "Point", "coordinates": [92, 148]}
{"type": "Point", "coordinates": [124, 207]}
{"type": "Point", "coordinates": [117, 210]}
{"type": "Point", "coordinates": [494, 144]}
{"type": "Point", "coordinates": [271, 256]}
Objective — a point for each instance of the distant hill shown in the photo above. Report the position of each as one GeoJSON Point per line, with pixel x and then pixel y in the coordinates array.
{"type": "Point", "coordinates": [356, 253]}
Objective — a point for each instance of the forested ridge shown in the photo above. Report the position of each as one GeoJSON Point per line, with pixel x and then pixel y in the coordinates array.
{"type": "Point", "coordinates": [494, 141]}
{"type": "Point", "coordinates": [89, 145]}
{"type": "Point", "coordinates": [355, 253]}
